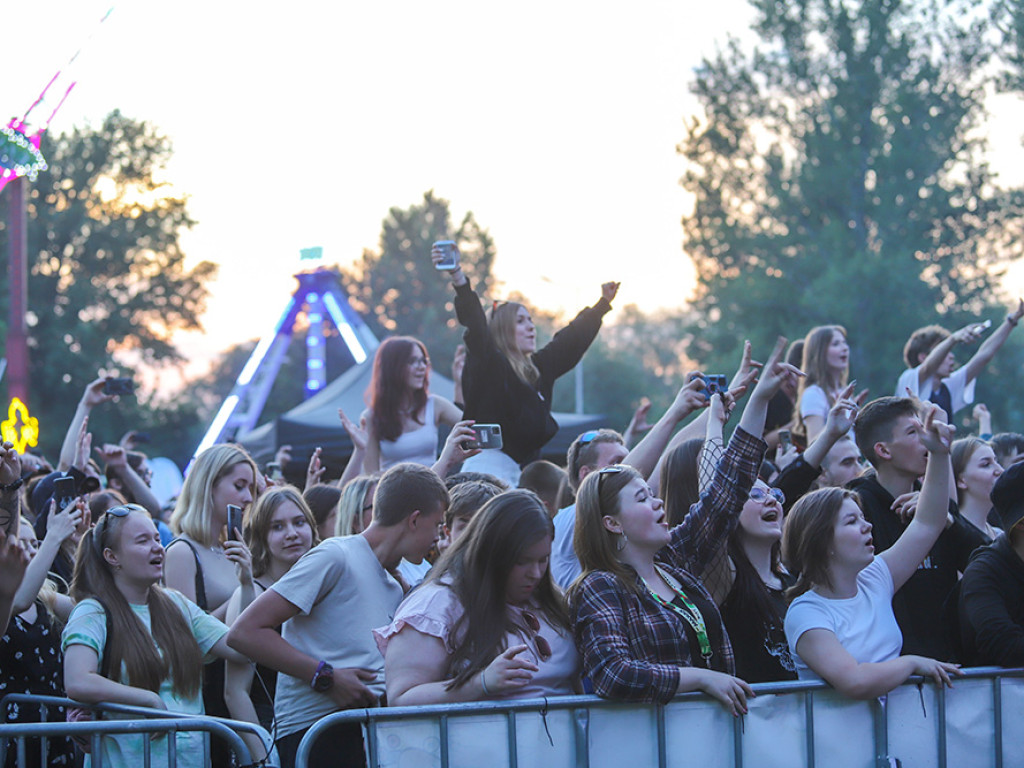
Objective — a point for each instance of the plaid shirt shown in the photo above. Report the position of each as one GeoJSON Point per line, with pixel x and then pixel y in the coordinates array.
{"type": "Point", "coordinates": [632, 647]}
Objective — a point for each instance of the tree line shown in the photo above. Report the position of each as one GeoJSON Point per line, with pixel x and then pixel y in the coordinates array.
{"type": "Point", "coordinates": [838, 173]}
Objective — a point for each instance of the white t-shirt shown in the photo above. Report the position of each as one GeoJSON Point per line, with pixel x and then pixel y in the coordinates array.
{"type": "Point", "coordinates": [864, 624]}
{"type": "Point", "coordinates": [342, 593]}
{"type": "Point", "coordinates": [814, 402]}
{"type": "Point", "coordinates": [961, 391]}
{"type": "Point", "coordinates": [565, 567]}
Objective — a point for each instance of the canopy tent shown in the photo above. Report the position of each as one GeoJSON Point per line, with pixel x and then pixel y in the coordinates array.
{"type": "Point", "coordinates": [315, 423]}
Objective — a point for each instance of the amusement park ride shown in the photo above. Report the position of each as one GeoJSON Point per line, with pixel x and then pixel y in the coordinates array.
{"type": "Point", "coordinates": [318, 295]}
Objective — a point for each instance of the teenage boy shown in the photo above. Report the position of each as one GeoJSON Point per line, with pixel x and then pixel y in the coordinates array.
{"type": "Point", "coordinates": [329, 602]}
{"type": "Point", "coordinates": [930, 373]}
{"type": "Point", "coordinates": [888, 432]}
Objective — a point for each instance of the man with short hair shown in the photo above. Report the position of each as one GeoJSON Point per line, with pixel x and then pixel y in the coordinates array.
{"type": "Point", "coordinates": [841, 465]}
{"type": "Point", "coordinates": [328, 604]}
{"type": "Point", "coordinates": [590, 452]}
{"type": "Point", "coordinates": [888, 432]}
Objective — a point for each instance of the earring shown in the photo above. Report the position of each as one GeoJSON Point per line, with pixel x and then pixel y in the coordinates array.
{"type": "Point", "coordinates": [622, 542]}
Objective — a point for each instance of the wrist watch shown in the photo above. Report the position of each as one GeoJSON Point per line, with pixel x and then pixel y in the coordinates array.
{"type": "Point", "coordinates": [323, 678]}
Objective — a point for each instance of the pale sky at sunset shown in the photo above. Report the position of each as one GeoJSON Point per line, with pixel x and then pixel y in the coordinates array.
{"type": "Point", "coordinates": [299, 124]}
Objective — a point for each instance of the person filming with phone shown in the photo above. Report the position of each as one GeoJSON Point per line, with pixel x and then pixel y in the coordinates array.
{"type": "Point", "coordinates": [507, 381]}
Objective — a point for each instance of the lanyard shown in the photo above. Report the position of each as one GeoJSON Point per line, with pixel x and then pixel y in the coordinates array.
{"type": "Point", "coordinates": [687, 611]}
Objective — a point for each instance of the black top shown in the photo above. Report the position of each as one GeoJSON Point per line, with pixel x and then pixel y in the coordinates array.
{"type": "Point", "coordinates": [918, 603]}
{"type": "Point", "coordinates": [992, 607]}
{"type": "Point", "coordinates": [762, 652]}
{"type": "Point", "coordinates": [795, 481]}
{"type": "Point", "coordinates": [496, 395]}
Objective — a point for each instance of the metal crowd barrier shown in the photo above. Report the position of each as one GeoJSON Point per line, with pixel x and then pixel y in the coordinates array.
{"type": "Point", "coordinates": [143, 721]}
{"type": "Point", "coordinates": [789, 725]}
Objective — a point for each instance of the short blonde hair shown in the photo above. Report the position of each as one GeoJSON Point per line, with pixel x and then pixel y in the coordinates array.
{"type": "Point", "coordinates": [193, 512]}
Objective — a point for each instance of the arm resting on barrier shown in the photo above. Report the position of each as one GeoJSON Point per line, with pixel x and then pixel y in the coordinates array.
{"type": "Point", "coordinates": [822, 652]}
{"type": "Point", "coordinates": [83, 682]}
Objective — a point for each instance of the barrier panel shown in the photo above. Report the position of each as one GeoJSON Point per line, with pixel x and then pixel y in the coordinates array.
{"type": "Point", "coordinates": [141, 721]}
{"type": "Point", "coordinates": [789, 725]}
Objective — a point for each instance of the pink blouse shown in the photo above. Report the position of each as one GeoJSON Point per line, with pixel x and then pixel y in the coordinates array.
{"type": "Point", "coordinates": [434, 609]}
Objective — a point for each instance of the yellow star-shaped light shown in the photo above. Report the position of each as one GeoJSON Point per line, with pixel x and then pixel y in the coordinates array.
{"type": "Point", "coordinates": [25, 434]}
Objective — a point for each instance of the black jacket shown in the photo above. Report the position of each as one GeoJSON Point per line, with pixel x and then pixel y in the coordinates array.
{"type": "Point", "coordinates": [496, 395]}
{"type": "Point", "coordinates": [992, 607]}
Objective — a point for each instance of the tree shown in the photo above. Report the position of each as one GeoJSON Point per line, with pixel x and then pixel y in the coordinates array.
{"type": "Point", "coordinates": [839, 177]}
{"type": "Point", "coordinates": [397, 289]}
{"type": "Point", "coordinates": [108, 285]}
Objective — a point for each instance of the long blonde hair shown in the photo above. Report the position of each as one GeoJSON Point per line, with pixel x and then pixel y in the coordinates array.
{"type": "Point", "coordinates": [193, 513]}
{"type": "Point", "coordinates": [502, 325]}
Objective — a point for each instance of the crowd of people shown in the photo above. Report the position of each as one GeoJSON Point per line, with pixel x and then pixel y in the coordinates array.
{"type": "Point", "coordinates": [828, 538]}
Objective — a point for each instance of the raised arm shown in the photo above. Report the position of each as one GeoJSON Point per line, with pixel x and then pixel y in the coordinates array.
{"type": "Point", "coordinates": [995, 340]}
{"type": "Point", "coordinates": [645, 456]}
{"type": "Point", "coordinates": [91, 397]}
{"type": "Point", "coordinates": [115, 457]}
{"type": "Point", "coordinates": [567, 347]}
{"type": "Point", "coordinates": [60, 526]}
{"type": "Point", "coordinates": [917, 540]}
{"type": "Point", "coordinates": [359, 437]}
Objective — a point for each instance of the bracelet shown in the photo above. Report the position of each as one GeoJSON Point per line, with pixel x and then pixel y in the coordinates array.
{"type": "Point", "coordinates": [12, 486]}
{"type": "Point", "coordinates": [483, 682]}
{"type": "Point", "coordinates": [1011, 321]}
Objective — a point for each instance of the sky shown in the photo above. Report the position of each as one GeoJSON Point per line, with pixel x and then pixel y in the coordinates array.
{"type": "Point", "coordinates": [301, 124]}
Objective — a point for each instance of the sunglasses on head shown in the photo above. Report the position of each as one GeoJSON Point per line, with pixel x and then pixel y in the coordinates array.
{"type": "Point", "coordinates": [588, 437]}
{"type": "Point", "coordinates": [100, 529]}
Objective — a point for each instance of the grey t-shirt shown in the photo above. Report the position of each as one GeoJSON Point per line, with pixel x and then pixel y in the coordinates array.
{"type": "Point", "coordinates": [342, 593]}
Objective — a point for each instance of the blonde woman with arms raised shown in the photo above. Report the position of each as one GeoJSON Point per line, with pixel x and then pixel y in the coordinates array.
{"type": "Point", "coordinates": [840, 625]}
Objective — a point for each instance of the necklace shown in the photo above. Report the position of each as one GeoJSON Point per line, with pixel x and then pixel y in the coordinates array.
{"type": "Point", "coordinates": [687, 611]}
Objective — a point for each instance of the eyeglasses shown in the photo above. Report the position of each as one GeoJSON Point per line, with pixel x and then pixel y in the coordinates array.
{"type": "Point", "coordinates": [541, 643]}
{"type": "Point", "coordinates": [759, 494]}
{"type": "Point", "coordinates": [122, 510]}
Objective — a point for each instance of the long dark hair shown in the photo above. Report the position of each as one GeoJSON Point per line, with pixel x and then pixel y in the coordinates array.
{"type": "Point", "coordinates": [680, 481]}
{"type": "Point", "coordinates": [131, 644]}
{"type": "Point", "coordinates": [388, 386]}
{"type": "Point", "coordinates": [749, 594]}
{"type": "Point", "coordinates": [477, 567]}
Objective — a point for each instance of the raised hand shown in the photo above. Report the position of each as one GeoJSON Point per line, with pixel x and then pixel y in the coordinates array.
{"type": "Point", "coordinates": [10, 464]}
{"type": "Point", "coordinates": [609, 291]}
{"type": "Point", "coordinates": [356, 434]}
{"type": "Point", "coordinates": [936, 435]}
{"type": "Point", "coordinates": [775, 372]}
{"type": "Point", "coordinates": [315, 469]}
{"type": "Point", "coordinates": [747, 372]}
{"type": "Point", "coordinates": [843, 412]}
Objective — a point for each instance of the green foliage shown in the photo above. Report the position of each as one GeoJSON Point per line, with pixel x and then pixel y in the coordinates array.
{"type": "Point", "coordinates": [398, 291]}
{"type": "Point", "coordinates": [838, 177]}
{"type": "Point", "coordinates": [108, 285]}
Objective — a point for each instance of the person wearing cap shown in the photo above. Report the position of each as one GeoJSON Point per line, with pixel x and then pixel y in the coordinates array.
{"type": "Point", "coordinates": [991, 609]}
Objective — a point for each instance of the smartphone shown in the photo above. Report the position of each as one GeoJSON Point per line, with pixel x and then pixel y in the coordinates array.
{"type": "Point", "coordinates": [983, 326]}
{"type": "Point", "coordinates": [785, 440]}
{"type": "Point", "coordinates": [274, 471]}
{"type": "Point", "coordinates": [234, 521]}
{"type": "Point", "coordinates": [64, 492]}
{"type": "Point", "coordinates": [715, 384]}
{"type": "Point", "coordinates": [486, 436]}
{"type": "Point", "coordinates": [451, 257]}
{"type": "Point", "coordinates": [118, 386]}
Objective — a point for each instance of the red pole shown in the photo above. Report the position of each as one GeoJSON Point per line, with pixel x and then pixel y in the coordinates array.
{"type": "Point", "coordinates": [17, 330]}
